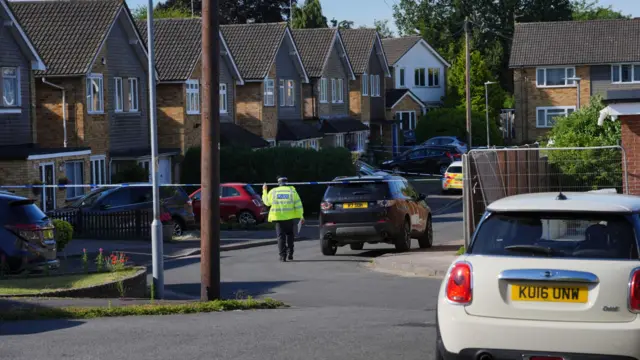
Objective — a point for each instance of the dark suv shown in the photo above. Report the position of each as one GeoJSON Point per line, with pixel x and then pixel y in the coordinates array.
{"type": "Point", "coordinates": [384, 209]}
{"type": "Point", "coordinates": [27, 239]}
{"type": "Point", "coordinates": [423, 159]}
{"type": "Point", "coordinates": [108, 200]}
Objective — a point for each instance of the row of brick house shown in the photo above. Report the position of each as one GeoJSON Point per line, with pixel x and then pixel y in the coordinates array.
{"type": "Point", "coordinates": [75, 90]}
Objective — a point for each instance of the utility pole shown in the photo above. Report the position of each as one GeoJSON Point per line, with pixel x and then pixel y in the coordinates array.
{"type": "Point", "coordinates": [156, 226]}
{"type": "Point", "coordinates": [486, 107]}
{"type": "Point", "coordinates": [468, 79]}
{"type": "Point", "coordinates": [210, 202]}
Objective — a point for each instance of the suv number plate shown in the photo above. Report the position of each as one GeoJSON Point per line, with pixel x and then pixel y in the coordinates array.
{"type": "Point", "coordinates": [356, 205]}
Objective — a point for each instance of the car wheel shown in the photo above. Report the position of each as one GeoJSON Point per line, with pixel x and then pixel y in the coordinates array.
{"type": "Point", "coordinates": [403, 243]}
{"type": "Point", "coordinates": [329, 248]}
{"type": "Point", "coordinates": [426, 240]}
{"type": "Point", "coordinates": [246, 217]}
{"type": "Point", "coordinates": [443, 169]}
{"type": "Point", "coordinates": [357, 246]}
{"type": "Point", "coordinates": [178, 227]}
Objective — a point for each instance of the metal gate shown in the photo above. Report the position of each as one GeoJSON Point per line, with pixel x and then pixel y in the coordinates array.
{"type": "Point", "coordinates": [492, 174]}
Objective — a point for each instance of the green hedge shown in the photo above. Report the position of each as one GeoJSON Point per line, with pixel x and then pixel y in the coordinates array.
{"type": "Point", "coordinates": [265, 165]}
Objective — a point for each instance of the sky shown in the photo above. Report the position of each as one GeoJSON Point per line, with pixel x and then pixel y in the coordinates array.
{"type": "Point", "coordinates": [363, 12]}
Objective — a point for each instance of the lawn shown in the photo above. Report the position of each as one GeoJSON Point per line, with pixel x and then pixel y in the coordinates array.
{"type": "Point", "coordinates": [38, 285]}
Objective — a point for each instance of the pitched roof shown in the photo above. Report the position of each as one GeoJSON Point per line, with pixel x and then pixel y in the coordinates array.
{"type": "Point", "coordinates": [67, 34]}
{"type": "Point", "coordinates": [575, 43]}
{"type": "Point", "coordinates": [178, 44]}
{"type": "Point", "coordinates": [359, 44]}
{"type": "Point", "coordinates": [314, 46]}
{"type": "Point", "coordinates": [296, 130]}
{"type": "Point", "coordinates": [395, 48]}
{"type": "Point", "coordinates": [37, 64]}
{"type": "Point", "coordinates": [338, 126]}
{"type": "Point", "coordinates": [232, 134]}
{"type": "Point", "coordinates": [395, 95]}
{"type": "Point", "coordinates": [254, 46]}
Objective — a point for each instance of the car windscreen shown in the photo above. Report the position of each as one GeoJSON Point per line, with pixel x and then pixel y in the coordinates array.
{"type": "Point", "coordinates": [25, 212]}
{"type": "Point", "coordinates": [564, 235]}
{"type": "Point", "coordinates": [455, 170]}
{"type": "Point", "coordinates": [249, 189]}
{"type": "Point", "coordinates": [91, 198]}
{"type": "Point", "coordinates": [369, 191]}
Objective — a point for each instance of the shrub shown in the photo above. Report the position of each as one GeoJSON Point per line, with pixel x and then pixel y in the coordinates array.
{"type": "Point", "coordinates": [265, 165]}
{"type": "Point", "coordinates": [130, 173]}
{"type": "Point", "coordinates": [63, 233]}
{"type": "Point", "coordinates": [453, 122]}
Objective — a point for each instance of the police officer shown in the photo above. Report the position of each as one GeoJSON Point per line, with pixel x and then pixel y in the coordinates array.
{"type": "Point", "coordinates": [286, 207]}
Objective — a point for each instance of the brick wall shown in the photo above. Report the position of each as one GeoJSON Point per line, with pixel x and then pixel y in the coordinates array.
{"type": "Point", "coordinates": [630, 127]}
{"type": "Point", "coordinates": [270, 113]}
{"type": "Point", "coordinates": [249, 107]}
{"type": "Point", "coordinates": [528, 97]}
{"type": "Point", "coordinates": [170, 100]}
{"type": "Point", "coordinates": [49, 121]}
{"type": "Point", "coordinates": [96, 126]}
{"type": "Point", "coordinates": [355, 98]}
{"type": "Point", "coordinates": [407, 104]}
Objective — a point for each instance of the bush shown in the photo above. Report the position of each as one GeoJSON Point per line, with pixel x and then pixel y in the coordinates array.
{"type": "Point", "coordinates": [265, 165]}
{"type": "Point", "coordinates": [63, 233]}
{"type": "Point", "coordinates": [453, 122]}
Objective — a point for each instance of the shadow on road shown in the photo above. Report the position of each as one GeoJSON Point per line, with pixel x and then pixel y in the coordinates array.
{"type": "Point", "coordinates": [328, 259]}
{"type": "Point", "coordinates": [30, 327]}
{"type": "Point", "coordinates": [446, 219]}
{"type": "Point", "coordinates": [232, 290]}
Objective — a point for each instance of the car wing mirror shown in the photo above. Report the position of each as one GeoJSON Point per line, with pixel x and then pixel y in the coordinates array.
{"type": "Point", "coordinates": [422, 197]}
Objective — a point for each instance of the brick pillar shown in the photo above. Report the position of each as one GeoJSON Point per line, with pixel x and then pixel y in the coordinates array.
{"type": "Point", "coordinates": [630, 134]}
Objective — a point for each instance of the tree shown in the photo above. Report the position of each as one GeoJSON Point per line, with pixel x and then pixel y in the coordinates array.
{"type": "Point", "coordinates": [309, 16]}
{"type": "Point", "coordinates": [591, 10]}
{"type": "Point", "coordinates": [382, 26]}
{"type": "Point", "coordinates": [237, 12]}
{"type": "Point", "coordinates": [140, 13]}
{"type": "Point", "coordinates": [452, 122]}
{"type": "Point", "coordinates": [344, 24]}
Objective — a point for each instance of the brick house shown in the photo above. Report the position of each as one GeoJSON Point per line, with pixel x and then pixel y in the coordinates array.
{"type": "Point", "coordinates": [405, 108]}
{"type": "Point", "coordinates": [23, 160]}
{"type": "Point", "coordinates": [269, 104]}
{"type": "Point", "coordinates": [178, 46]}
{"type": "Point", "coordinates": [93, 93]}
{"type": "Point", "coordinates": [326, 97]}
{"type": "Point", "coordinates": [367, 91]}
{"type": "Point", "coordinates": [559, 66]}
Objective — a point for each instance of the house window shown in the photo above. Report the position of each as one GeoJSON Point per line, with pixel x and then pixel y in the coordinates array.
{"type": "Point", "coordinates": [546, 115]}
{"type": "Point", "coordinates": [407, 120]}
{"type": "Point", "coordinates": [193, 97]}
{"type": "Point", "coordinates": [434, 77]}
{"type": "Point", "coordinates": [419, 77]}
{"type": "Point", "coordinates": [340, 91]}
{"type": "Point", "coordinates": [333, 91]}
{"type": "Point", "coordinates": [372, 85]}
{"type": "Point", "coordinates": [365, 84]}
{"type": "Point", "coordinates": [133, 95]}
{"type": "Point", "coordinates": [361, 140]}
{"type": "Point", "coordinates": [119, 98]}
{"type": "Point", "coordinates": [555, 77]}
{"type": "Point", "coordinates": [323, 90]}
{"type": "Point", "coordinates": [223, 98]}
{"type": "Point", "coordinates": [272, 142]}
{"type": "Point", "coordinates": [269, 99]}
{"type": "Point", "coordinates": [286, 93]}
{"type": "Point", "coordinates": [625, 73]}
{"type": "Point", "coordinates": [75, 174]}
{"type": "Point", "coordinates": [94, 94]}
{"type": "Point", "coordinates": [339, 140]}
{"type": "Point", "coordinates": [290, 93]}
{"type": "Point", "coordinates": [375, 91]}
{"type": "Point", "coordinates": [98, 170]}
{"type": "Point", "coordinates": [10, 86]}
{"type": "Point", "coordinates": [401, 82]}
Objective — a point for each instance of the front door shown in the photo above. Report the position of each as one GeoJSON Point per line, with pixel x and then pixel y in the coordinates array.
{"type": "Point", "coordinates": [48, 195]}
{"type": "Point", "coordinates": [164, 171]}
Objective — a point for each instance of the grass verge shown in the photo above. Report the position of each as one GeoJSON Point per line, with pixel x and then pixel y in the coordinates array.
{"type": "Point", "coordinates": [42, 285]}
{"type": "Point", "coordinates": [41, 313]}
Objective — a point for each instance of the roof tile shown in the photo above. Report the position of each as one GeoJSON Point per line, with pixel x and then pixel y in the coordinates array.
{"type": "Point", "coordinates": [395, 48]}
{"type": "Point", "coordinates": [359, 44]}
{"type": "Point", "coordinates": [314, 46]}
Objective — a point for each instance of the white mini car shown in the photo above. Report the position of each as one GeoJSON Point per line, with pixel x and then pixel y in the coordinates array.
{"type": "Point", "coordinates": [547, 276]}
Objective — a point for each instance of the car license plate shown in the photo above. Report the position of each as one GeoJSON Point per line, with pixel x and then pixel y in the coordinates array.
{"type": "Point", "coordinates": [48, 234]}
{"type": "Point", "coordinates": [356, 205]}
{"type": "Point", "coordinates": [550, 293]}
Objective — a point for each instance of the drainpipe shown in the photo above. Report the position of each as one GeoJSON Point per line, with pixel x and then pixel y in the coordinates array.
{"type": "Point", "coordinates": [64, 108]}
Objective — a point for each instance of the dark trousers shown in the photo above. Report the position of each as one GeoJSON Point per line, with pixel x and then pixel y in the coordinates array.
{"type": "Point", "coordinates": [284, 231]}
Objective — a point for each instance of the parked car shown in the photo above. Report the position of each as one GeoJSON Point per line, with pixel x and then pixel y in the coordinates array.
{"type": "Point", "coordinates": [365, 169]}
{"type": "Point", "coordinates": [422, 159]}
{"type": "Point", "coordinates": [385, 210]}
{"type": "Point", "coordinates": [546, 276]}
{"type": "Point", "coordinates": [115, 199]}
{"type": "Point", "coordinates": [447, 140]}
{"type": "Point", "coordinates": [237, 200]}
{"type": "Point", "coordinates": [27, 239]}
{"type": "Point", "coordinates": [452, 179]}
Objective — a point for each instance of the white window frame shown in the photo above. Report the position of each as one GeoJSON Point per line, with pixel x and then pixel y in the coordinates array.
{"type": "Point", "coordinates": [546, 109]}
{"type": "Point", "coordinates": [365, 84]}
{"type": "Point", "coordinates": [16, 78]}
{"type": "Point", "coordinates": [424, 77]}
{"type": "Point", "coordinates": [340, 91]}
{"type": "Point", "coordinates": [290, 93]}
{"type": "Point", "coordinates": [333, 91]}
{"type": "Point", "coordinates": [90, 94]}
{"type": "Point", "coordinates": [223, 98]}
{"type": "Point", "coordinates": [134, 95]}
{"type": "Point", "coordinates": [269, 92]}
{"type": "Point", "coordinates": [402, 80]}
{"type": "Point", "coordinates": [412, 123]}
{"type": "Point", "coordinates": [281, 92]}
{"type": "Point", "coordinates": [119, 95]}
{"type": "Point", "coordinates": [567, 83]}
{"type": "Point", "coordinates": [372, 85]}
{"type": "Point", "coordinates": [435, 79]}
{"type": "Point", "coordinates": [99, 170]}
{"type": "Point", "coordinates": [74, 192]}
{"type": "Point", "coordinates": [618, 68]}
{"type": "Point", "coordinates": [272, 142]}
{"type": "Point", "coordinates": [193, 97]}
{"type": "Point", "coordinates": [323, 91]}
{"type": "Point", "coordinates": [339, 140]}
{"type": "Point", "coordinates": [376, 84]}
{"type": "Point", "coordinates": [361, 140]}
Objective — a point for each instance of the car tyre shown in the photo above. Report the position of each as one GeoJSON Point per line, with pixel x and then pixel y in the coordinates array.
{"type": "Point", "coordinates": [426, 240]}
{"type": "Point", "coordinates": [403, 242]}
{"type": "Point", "coordinates": [178, 226]}
{"type": "Point", "coordinates": [357, 246]}
{"type": "Point", "coordinates": [246, 217]}
{"type": "Point", "coordinates": [329, 248]}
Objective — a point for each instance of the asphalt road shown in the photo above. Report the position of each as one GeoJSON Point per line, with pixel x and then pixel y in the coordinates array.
{"type": "Point", "coordinates": [340, 310]}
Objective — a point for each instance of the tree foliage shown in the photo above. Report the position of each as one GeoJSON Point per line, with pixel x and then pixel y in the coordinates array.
{"type": "Point", "coordinates": [140, 13]}
{"type": "Point", "coordinates": [309, 16]}
{"type": "Point", "coordinates": [382, 26]}
{"type": "Point", "coordinates": [234, 11]}
{"type": "Point", "coordinates": [344, 24]}
{"type": "Point", "coordinates": [452, 122]}
{"type": "Point", "coordinates": [591, 10]}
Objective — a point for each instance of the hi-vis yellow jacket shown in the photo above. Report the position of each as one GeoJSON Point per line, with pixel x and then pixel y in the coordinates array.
{"type": "Point", "coordinates": [284, 202]}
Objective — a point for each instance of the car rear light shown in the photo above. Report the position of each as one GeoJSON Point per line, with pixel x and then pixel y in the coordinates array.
{"type": "Point", "coordinates": [448, 154]}
{"type": "Point", "coordinates": [30, 232]}
{"type": "Point", "coordinates": [459, 284]}
{"type": "Point", "coordinates": [325, 205]}
{"type": "Point", "coordinates": [634, 291]}
{"type": "Point", "coordinates": [386, 203]}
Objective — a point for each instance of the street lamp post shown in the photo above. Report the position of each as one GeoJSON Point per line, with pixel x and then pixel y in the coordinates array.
{"type": "Point", "coordinates": [577, 80]}
{"type": "Point", "coordinates": [486, 99]}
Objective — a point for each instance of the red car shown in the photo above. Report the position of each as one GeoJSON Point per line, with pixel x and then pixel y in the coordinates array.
{"type": "Point", "coordinates": [236, 200]}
